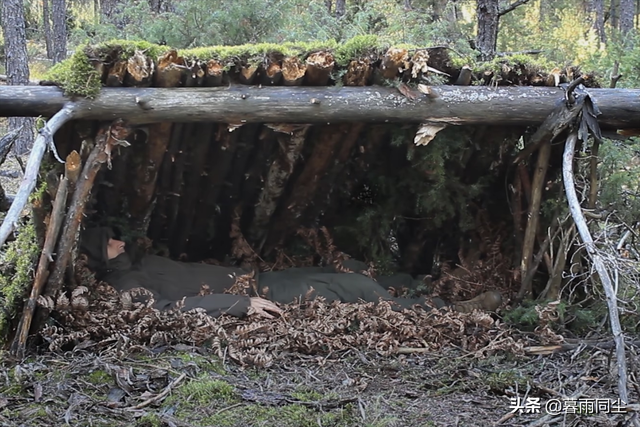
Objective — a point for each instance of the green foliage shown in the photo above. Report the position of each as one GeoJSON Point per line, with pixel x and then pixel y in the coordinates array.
{"type": "Point", "coordinates": [17, 264]}
{"type": "Point", "coordinates": [427, 185]}
{"type": "Point", "coordinates": [576, 318]}
{"type": "Point", "coordinates": [524, 316]}
{"type": "Point", "coordinates": [76, 76]}
{"type": "Point", "coordinates": [620, 186]}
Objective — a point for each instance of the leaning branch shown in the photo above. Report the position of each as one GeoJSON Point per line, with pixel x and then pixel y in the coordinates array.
{"type": "Point", "coordinates": [99, 155]}
{"type": "Point", "coordinates": [585, 235]}
{"type": "Point", "coordinates": [57, 213]}
{"type": "Point", "coordinates": [512, 7]}
{"type": "Point", "coordinates": [45, 138]}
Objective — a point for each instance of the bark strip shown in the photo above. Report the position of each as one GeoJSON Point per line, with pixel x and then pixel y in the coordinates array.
{"type": "Point", "coordinates": [585, 235]}
{"type": "Point", "coordinates": [33, 167]}
{"type": "Point", "coordinates": [57, 213]}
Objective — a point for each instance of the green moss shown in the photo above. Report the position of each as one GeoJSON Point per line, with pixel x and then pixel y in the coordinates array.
{"type": "Point", "coordinates": [354, 48]}
{"type": "Point", "coordinates": [283, 416]}
{"type": "Point", "coordinates": [204, 390]}
{"type": "Point", "coordinates": [99, 377]}
{"type": "Point", "coordinates": [526, 62]}
{"type": "Point", "coordinates": [149, 420]}
{"type": "Point", "coordinates": [16, 273]}
{"type": "Point", "coordinates": [307, 395]}
{"type": "Point", "coordinates": [254, 53]}
{"type": "Point", "coordinates": [501, 381]}
{"type": "Point", "coordinates": [76, 75]}
{"type": "Point", "coordinates": [127, 48]}
{"type": "Point", "coordinates": [208, 363]}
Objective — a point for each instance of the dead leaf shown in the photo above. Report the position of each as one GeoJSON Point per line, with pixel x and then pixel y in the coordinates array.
{"type": "Point", "coordinates": [406, 91]}
{"type": "Point", "coordinates": [427, 132]}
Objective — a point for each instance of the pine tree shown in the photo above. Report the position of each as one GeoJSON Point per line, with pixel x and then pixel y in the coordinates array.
{"type": "Point", "coordinates": [17, 65]}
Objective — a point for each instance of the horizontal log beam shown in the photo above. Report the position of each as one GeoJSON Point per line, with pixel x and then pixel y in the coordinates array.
{"type": "Point", "coordinates": [251, 104]}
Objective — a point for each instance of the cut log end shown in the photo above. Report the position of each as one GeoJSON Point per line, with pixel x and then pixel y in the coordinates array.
{"type": "Point", "coordinates": [72, 166]}
{"type": "Point", "coordinates": [395, 62]}
{"type": "Point", "coordinates": [169, 71]}
{"type": "Point", "coordinates": [116, 75]}
{"type": "Point", "coordinates": [420, 63]}
{"type": "Point", "coordinates": [293, 71]}
{"type": "Point", "coordinates": [214, 73]}
{"type": "Point", "coordinates": [358, 73]}
{"type": "Point", "coordinates": [319, 67]}
{"type": "Point", "coordinates": [140, 70]}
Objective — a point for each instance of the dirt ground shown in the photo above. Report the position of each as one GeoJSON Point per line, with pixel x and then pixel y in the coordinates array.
{"type": "Point", "coordinates": [187, 386]}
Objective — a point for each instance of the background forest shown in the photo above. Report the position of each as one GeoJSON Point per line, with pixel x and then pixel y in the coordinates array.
{"type": "Point", "coordinates": [591, 33]}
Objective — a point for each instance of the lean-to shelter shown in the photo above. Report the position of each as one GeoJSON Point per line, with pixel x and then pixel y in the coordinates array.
{"type": "Point", "coordinates": [410, 159]}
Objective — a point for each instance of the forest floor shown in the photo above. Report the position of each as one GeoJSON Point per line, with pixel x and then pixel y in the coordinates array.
{"type": "Point", "coordinates": [188, 386]}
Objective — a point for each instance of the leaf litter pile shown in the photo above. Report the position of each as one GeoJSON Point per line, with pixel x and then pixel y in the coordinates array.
{"type": "Point", "coordinates": [98, 316]}
{"type": "Point", "coordinates": [110, 360]}
{"type": "Point", "coordinates": [95, 315]}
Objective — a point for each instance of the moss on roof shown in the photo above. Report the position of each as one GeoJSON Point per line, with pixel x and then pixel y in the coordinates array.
{"type": "Point", "coordinates": [76, 75]}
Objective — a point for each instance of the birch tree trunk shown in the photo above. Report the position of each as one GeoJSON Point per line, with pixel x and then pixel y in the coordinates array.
{"type": "Point", "coordinates": [59, 39]}
{"type": "Point", "coordinates": [17, 65]}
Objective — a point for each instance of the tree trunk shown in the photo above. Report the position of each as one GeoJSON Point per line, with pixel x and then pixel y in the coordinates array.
{"type": "Point", "coordinates": [458, 105]}
{"type": "Point", "coordinates": [107, 10]}
{"type": "Point", "coordinates": [59, 39]}
{"type": "Point", "coordinates": [598, 24]}
{"type": "Point", "coordinates": [614, 13]}
{"type": "Point", "coordinates": [47, 28]}
{"type": "Point", "coordinates": [487, 14]}
{"type": "Point", "coordinates": [627, 15]}
{"type": "Point", "coordinates": [341, 8]}
{"type": "Point", "coordinates": [17, 65]}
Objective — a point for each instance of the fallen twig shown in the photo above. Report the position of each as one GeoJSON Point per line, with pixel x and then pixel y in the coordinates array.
{"type": "Point", "coordinates": [160, 396]}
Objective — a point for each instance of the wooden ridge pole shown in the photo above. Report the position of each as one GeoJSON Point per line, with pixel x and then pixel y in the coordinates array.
{"type": "Point", "coordinates": [452, 105]}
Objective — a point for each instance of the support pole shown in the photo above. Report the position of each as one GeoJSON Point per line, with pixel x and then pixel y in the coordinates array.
{"type": "Point", "coordinates": [57, 213]}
